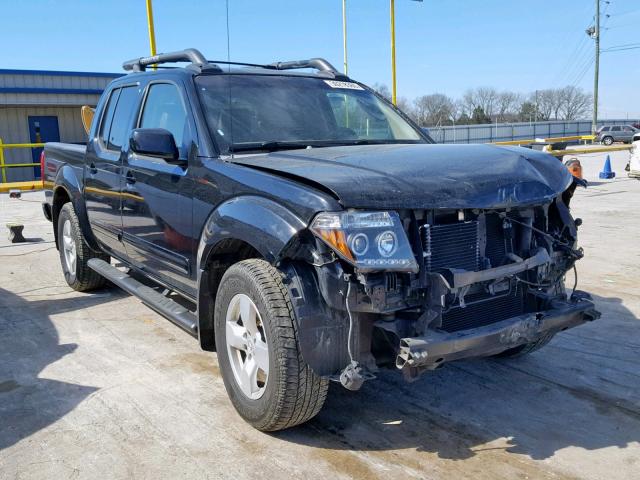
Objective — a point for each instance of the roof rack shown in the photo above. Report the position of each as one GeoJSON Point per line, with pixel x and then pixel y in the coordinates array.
{"type": "Point", "coordinates": [200, 63]}
{"type": "Point", "coordinates": [319, 64]}
{"type": "Point", "coordinates": [189, 55]}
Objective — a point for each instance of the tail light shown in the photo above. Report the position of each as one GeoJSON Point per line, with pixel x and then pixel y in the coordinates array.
{"type": "Point", "coordinates": [42, 166]}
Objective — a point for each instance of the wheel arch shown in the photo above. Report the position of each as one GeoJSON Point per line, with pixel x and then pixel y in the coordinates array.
{"type": "Point", "coordinates": [68, 188]}
{"type": "Point", "coordinates": [239, 229]}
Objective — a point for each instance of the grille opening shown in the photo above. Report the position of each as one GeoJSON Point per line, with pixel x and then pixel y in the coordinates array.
{"type": "Point", "coordinates": [453, 245]}
{"type": "Point", "coordinates": [484, 313]}
{"type": "Point", "coordinates": [479, 242]}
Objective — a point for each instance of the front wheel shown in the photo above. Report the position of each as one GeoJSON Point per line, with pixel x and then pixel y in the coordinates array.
{"type": "Point", "coordinates": [607, 141]}
{"type": "Point", "coordinates": [75, 253]}
{"type": "Point", "coordinates": [268, 382]}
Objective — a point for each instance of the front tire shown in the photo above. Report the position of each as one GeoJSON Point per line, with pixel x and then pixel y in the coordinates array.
{"type": "Point", "coordinates": [265, 376]}
{"type": "Point", "coordinates": [75, 253]}
{"type": "Point", "coordinates": [607, 141]}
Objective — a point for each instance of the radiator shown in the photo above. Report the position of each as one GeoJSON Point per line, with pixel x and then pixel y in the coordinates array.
{"type": "Point", "coordinates": [458, 246]}
{"type": "Point", "coordinates": [488, 310]}
{"type": "Point", "coordinates": [453, 245]}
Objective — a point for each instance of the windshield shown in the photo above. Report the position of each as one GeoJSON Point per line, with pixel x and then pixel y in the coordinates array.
{"type": "Point", "coordinates": [269, 112]}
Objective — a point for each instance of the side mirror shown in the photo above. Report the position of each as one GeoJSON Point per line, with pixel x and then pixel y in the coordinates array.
{"type": "Point", "coordinates": [156, 142]}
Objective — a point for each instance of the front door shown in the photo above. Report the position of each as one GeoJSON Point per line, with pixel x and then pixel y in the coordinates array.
{"type": "Point", "coordinates": [157, 196]}
{"type": "Point", "coordinates": [627, 134]}
{"type": "Point", "coordinates": [42, 129]}
{"type": "Point", "coordinates": [103, 169]}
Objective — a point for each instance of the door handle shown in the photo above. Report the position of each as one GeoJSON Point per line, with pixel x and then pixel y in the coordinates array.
{"type": "Point", "coordinates": [129, 178]}
{"type": "Point", "coordinates": [92, 169]}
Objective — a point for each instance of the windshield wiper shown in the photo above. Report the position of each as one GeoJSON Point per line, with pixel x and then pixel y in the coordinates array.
{"type": "Point", "coordinates": [267, 146]}
{"type": "Point", "coordinates": [292, 145]}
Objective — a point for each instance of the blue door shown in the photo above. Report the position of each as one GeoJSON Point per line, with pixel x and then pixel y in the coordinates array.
{"type": "Point", "coordinates": [42, 129]}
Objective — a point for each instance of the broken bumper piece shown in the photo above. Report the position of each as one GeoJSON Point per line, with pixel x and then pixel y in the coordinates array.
{"type": "Point", "coordinates": [436, 348]}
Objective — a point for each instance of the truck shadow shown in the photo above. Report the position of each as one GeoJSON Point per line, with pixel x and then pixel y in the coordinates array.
{"type": "Point", "coordinates": [582, 390]}
{"type": "Point", "coordinates": [29, 343]}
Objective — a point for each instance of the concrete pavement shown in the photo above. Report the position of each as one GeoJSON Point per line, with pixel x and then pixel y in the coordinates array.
{"type": "Point", "coordinates": [99, 386]}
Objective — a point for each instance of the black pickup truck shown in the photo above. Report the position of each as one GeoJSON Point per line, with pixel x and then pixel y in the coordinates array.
{"type": "Point", "coordinates": [291, 219]}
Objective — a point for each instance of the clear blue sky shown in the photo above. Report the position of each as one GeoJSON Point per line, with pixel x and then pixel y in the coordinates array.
{"type": "Point", "coordinates": [442, 46]}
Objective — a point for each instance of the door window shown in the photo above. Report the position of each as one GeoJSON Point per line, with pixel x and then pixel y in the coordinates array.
{"type": "Point", "coordinates": [164, 109]}
{"type": "Point", "coordinates": [615, 129]}
{"type": "Point", "coordinates": [121, 124]}
{"type": "Point", "coordinates": [105, 126]}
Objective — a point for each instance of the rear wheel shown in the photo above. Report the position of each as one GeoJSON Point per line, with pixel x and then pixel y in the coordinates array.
{"type": "Point", "coordinates": [607, 140]}
{"type": "Point", "coordinates": [74, 253]}
{"type": "Point", "coordinates": [527, 348]}
{"type": "Point", "coordinates": [268, 382]}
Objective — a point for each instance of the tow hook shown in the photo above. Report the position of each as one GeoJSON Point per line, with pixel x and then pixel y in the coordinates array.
{"type": "Point", "coordinates": [354, 375]}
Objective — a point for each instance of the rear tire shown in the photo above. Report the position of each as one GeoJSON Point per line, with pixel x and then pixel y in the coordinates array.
{"type": "Point", "coordinates": [607, 141]}
{"type": "Point", "coordinates": [253, 316]}
{"type": "Point", "coordinates": [527, 348]}
{"type": "Point", "coordinates": [75, 253]}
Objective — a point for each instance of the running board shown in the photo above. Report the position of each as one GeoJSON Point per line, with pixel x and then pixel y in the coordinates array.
{"type": "Point", "coordinates": [172, 311]}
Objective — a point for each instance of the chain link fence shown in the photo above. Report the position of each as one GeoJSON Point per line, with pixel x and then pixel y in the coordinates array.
{"type": "Point", "coordinates": [501, 132]}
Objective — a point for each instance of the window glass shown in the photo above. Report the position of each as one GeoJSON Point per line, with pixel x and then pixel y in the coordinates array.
{"type": "Point", "coordinates": [108, 116]}
{"type": "Point", "coordinates": [615, 129]}
{"type": "Point", "coordinates": [246, 110]}
{"type": "Point", "coordinates": [628, 129]}
{"type": "Point", "coordinates": [121, 124]}
{"type": "Point", "coordinates": [164, 109]}
{"type": "Point", "coordinates": [606, 129]}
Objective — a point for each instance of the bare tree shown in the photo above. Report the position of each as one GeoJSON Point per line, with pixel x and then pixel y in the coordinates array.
{"type": "Point", "coordinates": [507, 105]}
{"type": "Point", "coordinates": [382, 90]}
{"type": "Point", "coordinates": [434, 109]}
{"type": "Point", "coordinates": [406, 107]}
{"type": "Point", "coordinates": [574, 102]}
{"type": "Point", "coordinates": [484, 98]}
{"type": "Point", "coordinates": [546, 102]}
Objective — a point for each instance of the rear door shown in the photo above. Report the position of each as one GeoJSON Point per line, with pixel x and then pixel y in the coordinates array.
{"type": "Point", "coordinates": [103, 168]}
{"type": "Point", "coordinates": [616, 133]}
{"type": "Point", "coordinates": [157, 196]}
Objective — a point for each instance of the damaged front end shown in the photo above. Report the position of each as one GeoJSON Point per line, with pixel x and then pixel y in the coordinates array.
{"type": "Point", "coordinates": [438, 285]}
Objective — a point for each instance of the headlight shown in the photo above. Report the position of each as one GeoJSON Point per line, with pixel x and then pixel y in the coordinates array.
{"type": "Point", "coordinates": [368, 240]}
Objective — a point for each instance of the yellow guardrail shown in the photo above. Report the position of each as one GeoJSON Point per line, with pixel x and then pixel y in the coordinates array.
{"type": "Point", "coordinates": [578, 151]}
{"type": "Point", "coordinates": [7, 186]}
{"type": "Point", "coordinates": [528, 141]}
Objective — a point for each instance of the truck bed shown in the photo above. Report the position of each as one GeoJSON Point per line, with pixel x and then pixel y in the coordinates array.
{"type": "Point", "coordinates": [57, 155]}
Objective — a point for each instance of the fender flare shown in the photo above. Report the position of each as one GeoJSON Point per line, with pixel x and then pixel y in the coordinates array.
{"type": "Point", "coordinates": [67, 179]}
{"type": "Point", "coordinates": [265, 225]}
{"type": "Point", "coordinates": [323, 332]}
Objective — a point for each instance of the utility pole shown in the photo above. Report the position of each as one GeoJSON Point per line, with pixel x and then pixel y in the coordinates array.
{"type": "Point", "coordinates": [152, 33]}
{"type": "Point", "coordinates": [344, 35]}
{"type": "Point", "coordinates": [596, 33]}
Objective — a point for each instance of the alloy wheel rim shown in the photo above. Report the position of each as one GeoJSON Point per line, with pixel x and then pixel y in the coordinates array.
{"type": "Point", "coordinates": [69, 247]}
{"type": "Point", "coordinates": [247, 346]}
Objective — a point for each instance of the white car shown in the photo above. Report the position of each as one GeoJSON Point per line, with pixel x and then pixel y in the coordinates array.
{"type": "Point", "coordinates": [634, 161]}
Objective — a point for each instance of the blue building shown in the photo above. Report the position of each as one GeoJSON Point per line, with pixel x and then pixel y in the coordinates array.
{"type": "Point", "coordinates": [44, 106]}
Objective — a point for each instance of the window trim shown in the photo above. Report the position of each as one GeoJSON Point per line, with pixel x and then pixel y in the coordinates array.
{"type": "Point", "coordinates": [119, 87]}
{"type": "Point", "coordinates": [103, 117]}
{"type": "Point", "coordinates": [181, 94]}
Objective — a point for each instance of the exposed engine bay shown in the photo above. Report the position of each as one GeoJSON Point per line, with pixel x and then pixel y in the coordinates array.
{"type": "Point", "coordinates": [493, 278]}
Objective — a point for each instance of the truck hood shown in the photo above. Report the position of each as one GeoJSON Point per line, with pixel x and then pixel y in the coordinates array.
{"type": "Point", "coordinates": [422, 176]}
